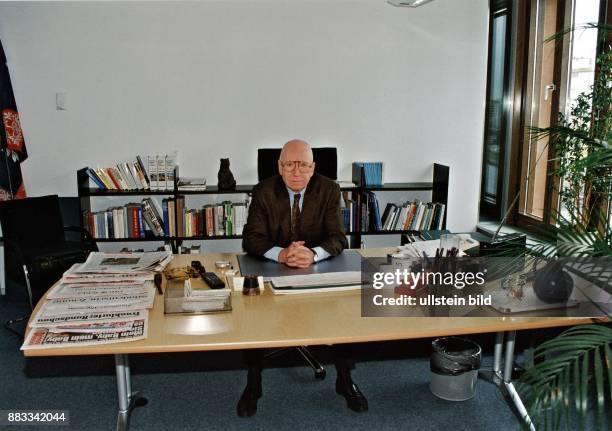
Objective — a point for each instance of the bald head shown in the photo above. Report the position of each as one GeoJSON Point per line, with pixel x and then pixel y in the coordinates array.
{"type": "Point", "coordinates": [295, 164]}
{"type": "Point", "coordinates": [296, 149]}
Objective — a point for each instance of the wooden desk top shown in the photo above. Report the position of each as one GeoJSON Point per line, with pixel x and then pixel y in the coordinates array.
{"type": "Point", "coordinates": [270, 320]}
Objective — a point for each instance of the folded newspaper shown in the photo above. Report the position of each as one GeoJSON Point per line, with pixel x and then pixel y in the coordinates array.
{"type": "Point", "coordinates": [103, 300]}
{"type": "Point", "coordinates": [119, 263]}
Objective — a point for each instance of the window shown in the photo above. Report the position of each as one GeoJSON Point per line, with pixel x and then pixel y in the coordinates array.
{"type": "Point", "coordinates": [558, 72]}
{"type": "Point", "coordinates": [494, 152]}
{"type": "Point", "coordinates": [531, 80]}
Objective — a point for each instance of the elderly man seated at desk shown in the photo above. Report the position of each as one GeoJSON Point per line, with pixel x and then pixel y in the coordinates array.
{"type": "Point", "coordinates": [294, 219]}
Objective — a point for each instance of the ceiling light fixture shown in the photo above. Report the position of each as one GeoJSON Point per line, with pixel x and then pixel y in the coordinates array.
{"type": "Point", "coordinates": [408, 3]}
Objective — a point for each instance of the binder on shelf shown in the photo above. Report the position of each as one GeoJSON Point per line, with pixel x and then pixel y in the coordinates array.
{"type": "Point", "coordinates": [367, 174]}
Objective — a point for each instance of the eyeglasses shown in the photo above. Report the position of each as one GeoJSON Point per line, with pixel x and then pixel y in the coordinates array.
{"type": "Point", "coordinates": [303, 167]}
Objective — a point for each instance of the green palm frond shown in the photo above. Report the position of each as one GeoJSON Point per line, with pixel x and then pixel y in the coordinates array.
{"type": "Point", "coordinates": [571, 236]}
{"type": "Point", "coordinates": [603, 28]}
{"type": "Point", "coordinates": [576, 365]}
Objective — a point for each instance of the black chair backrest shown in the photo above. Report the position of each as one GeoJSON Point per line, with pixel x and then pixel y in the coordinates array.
{"type": "Point", "coordinates": [32, 220]}
{"type": "Point", "coordinates": [325, 158]}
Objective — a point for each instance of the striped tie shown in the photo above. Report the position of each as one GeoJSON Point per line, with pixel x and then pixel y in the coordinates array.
{"type": "Point", "coordinates": [295, 216]}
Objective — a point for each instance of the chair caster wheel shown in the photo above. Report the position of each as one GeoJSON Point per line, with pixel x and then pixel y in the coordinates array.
{"type": "Point", "coordinates": [320, 374]}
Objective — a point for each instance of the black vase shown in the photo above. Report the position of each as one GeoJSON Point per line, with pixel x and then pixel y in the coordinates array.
{"type": "Point", "coordinates": [225, 176]}
{"type": "Point", "coordinates": [552, 284]}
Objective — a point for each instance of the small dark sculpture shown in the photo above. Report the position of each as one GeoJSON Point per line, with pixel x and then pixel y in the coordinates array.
{"type": "Point", "coordinates": [552, 283]}
{"type": "Point", "coordinates": [225, 176]}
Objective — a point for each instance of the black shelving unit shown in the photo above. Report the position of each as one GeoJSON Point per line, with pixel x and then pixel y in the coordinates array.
{"type": "Point", "coordinates": [439, 194]}
{"type": "Point", "coordinates": [438, 188]}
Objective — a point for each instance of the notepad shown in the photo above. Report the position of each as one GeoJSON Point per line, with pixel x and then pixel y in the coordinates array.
{"type": "Point", "coordinates": [314, 283]}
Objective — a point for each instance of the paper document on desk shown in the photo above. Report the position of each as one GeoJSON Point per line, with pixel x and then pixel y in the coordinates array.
{"type": "Point", "coordinates": [122, 263]}
{"type": "Point", "coordinates": [47, 321]}
{"type": "Point", "coordinates": [416, 249]}
{"type": "Point", "coordinates": [316, 283]}
{"type": "Point", "coordinates": [63, 291]}
{"type": "Point", "coordinates": [44, 338]}
{"type": "Point", "coordinates": [136, 300]}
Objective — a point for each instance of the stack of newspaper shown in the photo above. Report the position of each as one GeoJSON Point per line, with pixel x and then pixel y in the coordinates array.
{"type": "Point", "coordinates": [103, 300]}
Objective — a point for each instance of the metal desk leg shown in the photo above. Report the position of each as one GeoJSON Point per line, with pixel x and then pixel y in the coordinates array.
{"type": "Point", "coordinates": [128, 400]}
{"type": "Point", "coordinates": [498, 352]}
{"type": "Point", "coordinates": [510, 389]}
{"type": "Point", "coordinates": [504, 380]}
{"type": "Point", "coordinates": [494, 376]}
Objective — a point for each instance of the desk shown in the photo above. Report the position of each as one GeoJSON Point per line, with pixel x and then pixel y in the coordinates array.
{"type": "Point", "coordinates": [285, 321]}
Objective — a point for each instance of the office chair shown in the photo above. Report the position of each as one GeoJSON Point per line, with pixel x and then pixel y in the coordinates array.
{"type": "Point", "coordinates": [326, 163]}
{"type": "Point", "coordinates": [37, 251]}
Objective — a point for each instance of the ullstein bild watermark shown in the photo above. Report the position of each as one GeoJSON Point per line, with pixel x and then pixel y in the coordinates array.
{"type": "Point", "coordinates": [487, 287]}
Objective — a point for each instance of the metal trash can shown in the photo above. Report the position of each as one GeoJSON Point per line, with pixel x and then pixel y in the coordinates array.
{"type": "Point", "coordinates": [454, 365]}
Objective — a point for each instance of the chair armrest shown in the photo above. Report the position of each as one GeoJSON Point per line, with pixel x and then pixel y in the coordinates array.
{"type": "Point", "coordinates": [84, 232]}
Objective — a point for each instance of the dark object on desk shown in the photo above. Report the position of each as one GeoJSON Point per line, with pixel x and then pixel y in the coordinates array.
{"type": "Point", "coordinates": [348, 260]}
{"type": "Point", "coordinates": [225, 176]}
{"type": "Point", "coordinates": [507, 245]}
{"type": "Point", "coordinates": [157, 278]}
{"type": "Point", "coordinates": [209, 278]}
{"type": "Point", "coordinates": [250, 286]}
{"type": "Point", "coordinates": [325, 158]}
{"type": "Point", "coordinates": [37, 251]}
{"type": "Point", "coordinates": [552, 284]}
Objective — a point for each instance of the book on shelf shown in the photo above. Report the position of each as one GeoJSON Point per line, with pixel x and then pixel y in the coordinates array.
{"type": "Point", "coordinates": [157, 173]}
{"type": "Point", "coordinates": [161, 170]}
{"type": "Point", "coordinates": [191, 184]}
{"type": "Point", "coordinates": [123, 176]}
{"type": "Point", "coordinates": [148, 219]}
{"type": "Point", "coordinates": [413, 216]}
{"type": "Point", "coordinates": [347, 206]}
{"type": "Point", "coordinates": [363, 214]}
{"type": "Point", "coordinates": [219, 219]}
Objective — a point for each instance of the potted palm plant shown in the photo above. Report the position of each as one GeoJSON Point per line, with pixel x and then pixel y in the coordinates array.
{"type": "Point", "coordinates": [571, 374]}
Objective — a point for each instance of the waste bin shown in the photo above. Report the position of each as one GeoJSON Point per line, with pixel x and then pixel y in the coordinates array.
{"type": "Point", "coordinates": [454, 368]}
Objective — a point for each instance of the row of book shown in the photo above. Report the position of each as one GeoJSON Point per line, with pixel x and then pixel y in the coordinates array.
{"type": "Point", "coordinates": [145, 173]}
{"type": "Point", "coordinates": [362, 214]}
{"type": "Point", "coordinates": [367, 173]}
{"type": "Point", "coordinates": [147, 220]}
{"type": "Point", "coordinates": [224, 219]}
{"type": "Point", "coordinates": [414, 215]}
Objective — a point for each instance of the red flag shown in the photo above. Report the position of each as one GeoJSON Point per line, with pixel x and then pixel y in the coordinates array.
{"type": "Point", "coordinates": [12, 144]}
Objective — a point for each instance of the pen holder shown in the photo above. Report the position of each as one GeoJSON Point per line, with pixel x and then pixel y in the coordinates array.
{"type": "Point", "coordinates": [250, 286]}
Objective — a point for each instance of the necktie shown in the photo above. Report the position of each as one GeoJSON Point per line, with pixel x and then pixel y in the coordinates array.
{"type": "Point", "coordinates": [295, 216]}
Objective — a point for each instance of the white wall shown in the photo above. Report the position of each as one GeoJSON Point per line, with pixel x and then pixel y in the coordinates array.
{"type": "Point", "coordinates": [220, 79]}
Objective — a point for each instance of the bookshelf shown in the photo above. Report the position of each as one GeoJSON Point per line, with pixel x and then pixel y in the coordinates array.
{"type": "Point", "coordinates": [439, 194]}
{"type": "Point", "coordinates": [438, 188]}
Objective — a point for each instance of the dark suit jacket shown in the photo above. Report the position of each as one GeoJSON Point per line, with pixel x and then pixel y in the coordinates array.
{"type": "Point", "coordinates": [269, 221]}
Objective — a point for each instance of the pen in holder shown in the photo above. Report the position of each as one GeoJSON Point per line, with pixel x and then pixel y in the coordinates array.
{"type": "Point", "coordinates": [250, 286]}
